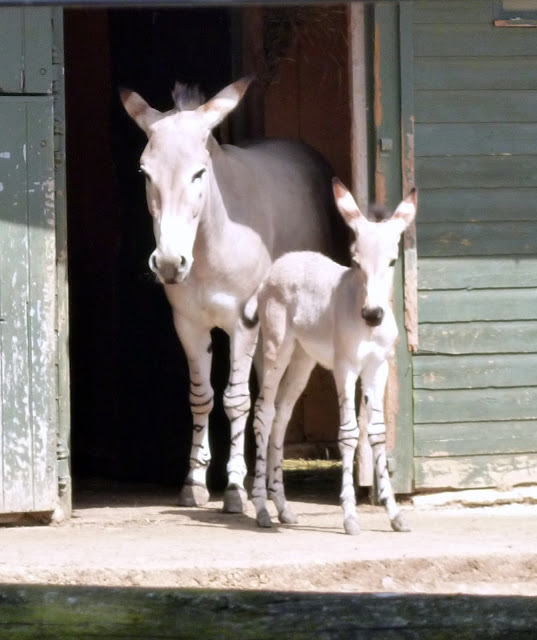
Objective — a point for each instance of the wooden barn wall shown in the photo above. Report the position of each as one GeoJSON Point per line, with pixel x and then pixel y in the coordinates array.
{"type": "Point", "coordinates": [475, 376]}
{"type": "Point", "coordinates": [28, 366]}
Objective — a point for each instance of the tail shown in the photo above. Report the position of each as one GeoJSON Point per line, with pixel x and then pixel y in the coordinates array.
{"type": "Point", "coordinates": [249, 313]}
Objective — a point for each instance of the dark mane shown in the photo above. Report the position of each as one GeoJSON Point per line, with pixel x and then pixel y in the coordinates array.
{"type": "Point", "coordinates": [378, 213]}
{"type": "Point", "coordinates": [186, 97]}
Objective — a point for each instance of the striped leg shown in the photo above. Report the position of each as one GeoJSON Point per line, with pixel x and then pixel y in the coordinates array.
{"type": "Point", "coordinates": [291, 386]}
{"type": "Point", "coordinates": [237, 406]}
{"type": "Point", "coordinates": [347, 441]}
{"type": "Point", "coordinates": [265, 410]}
{"type": "Point", "coordinates": [197, 345]}
{"type": "Point", "coordinates": [374, 382]}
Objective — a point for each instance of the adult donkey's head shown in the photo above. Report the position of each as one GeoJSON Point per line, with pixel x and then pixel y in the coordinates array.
{"type": "Point", "coordinates": [177, 167]}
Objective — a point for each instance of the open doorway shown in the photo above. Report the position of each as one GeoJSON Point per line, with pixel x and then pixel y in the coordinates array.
{"type": "Point", "coordinates": [129, 379]}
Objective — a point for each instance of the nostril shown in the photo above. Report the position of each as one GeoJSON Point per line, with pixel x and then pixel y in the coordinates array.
{"type": "Point", "coordinates": [182, 261]}
{"type": "Point", "coordinates": [153, 262]}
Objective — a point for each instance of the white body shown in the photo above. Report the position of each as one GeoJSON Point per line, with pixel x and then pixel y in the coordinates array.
{"type": "Point", "coordinates": [220, 217]}
{"type": "Point", "coordinates": [312, 310]}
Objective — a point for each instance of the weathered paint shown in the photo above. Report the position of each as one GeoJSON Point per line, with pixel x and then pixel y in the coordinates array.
{"type": "Point", "coordinates": [475, 159]}
{"type": "Point", "coordinates": [28, 390]}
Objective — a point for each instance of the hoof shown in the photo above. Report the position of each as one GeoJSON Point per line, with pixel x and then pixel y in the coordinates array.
{"type": "Point", "coordinates": [399, 523]}
{"type": "Point", "coordinates": [352, 528]}
{"type": "Point", "coordinates": [235, 500]}
{"type": "Point", "coordinates": [193, 495]}
{"type": "Point", "coordinates": [263, 519]}
{"type": "Point", "coordinates": [287, 517]}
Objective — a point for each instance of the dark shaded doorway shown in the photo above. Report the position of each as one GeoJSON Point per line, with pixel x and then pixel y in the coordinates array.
{"type": "Point", "coordinates": [130, 413]}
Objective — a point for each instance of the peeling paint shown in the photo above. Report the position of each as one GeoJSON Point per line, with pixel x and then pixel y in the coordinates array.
{"type": "Point", "coordinates": [5, 155]}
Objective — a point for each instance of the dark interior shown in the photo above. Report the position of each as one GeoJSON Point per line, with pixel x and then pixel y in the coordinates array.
{"type": "Point", "coordinates": [129, 380]}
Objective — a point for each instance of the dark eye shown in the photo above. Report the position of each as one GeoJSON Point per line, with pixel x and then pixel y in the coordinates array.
{"type": "Point", "coordinates": [392, 262]}
{"type": "Point", "coordinates": [198, 175]}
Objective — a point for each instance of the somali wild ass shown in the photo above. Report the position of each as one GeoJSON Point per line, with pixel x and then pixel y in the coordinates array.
{"type": "Point", "coordinates": [312, 310]}
{"type": "Point", "coordinates": [221, 215]}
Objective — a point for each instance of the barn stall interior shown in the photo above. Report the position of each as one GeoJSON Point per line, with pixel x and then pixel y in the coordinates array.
{"type": "Point", "coordinates": [129, 379]}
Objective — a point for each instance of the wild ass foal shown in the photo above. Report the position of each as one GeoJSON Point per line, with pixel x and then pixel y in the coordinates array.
{"type": "Point", "coordinates": [221, 214]}
{"type": "Point", "coordinates": [313, 310]}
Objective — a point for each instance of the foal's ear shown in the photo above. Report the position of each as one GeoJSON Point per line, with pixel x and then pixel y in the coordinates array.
{"type": "Point", "coordinates": [217, 108]}
{"type": "Point", "coordinates": [406, 210]}
{"type": "Point", "coordinates": [345, 202]}
{"type": "Point", "coordinates": [139, 110]}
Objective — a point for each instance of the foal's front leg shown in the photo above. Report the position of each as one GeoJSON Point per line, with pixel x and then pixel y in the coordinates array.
{"type": "Point", "coordinates": [373, 384]}
{"type": "Point", "coordinates": [196, 342]}
{"type": "Point", "coordinates": [237, 407]}
{"type": "Point", "coordinates": [347, 441]}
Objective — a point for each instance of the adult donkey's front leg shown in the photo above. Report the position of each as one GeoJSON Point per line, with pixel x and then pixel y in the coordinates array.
{"type": "Point", "coordinates": [197, 345]}
{"type": "Point", "coordinates": [237, 407]}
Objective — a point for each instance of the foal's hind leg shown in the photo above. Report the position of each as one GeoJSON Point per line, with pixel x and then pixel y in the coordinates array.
{"type": "Point", "coordinates": [291, 386]}
{"type": "Point", "coordinates": [274, 366]}
{"type": "Point", "coordinates": [237, 406]}
{"type": "Point", "coordinates": [197, 346]}
{"type": "Point", "coordinates": [373, 384]}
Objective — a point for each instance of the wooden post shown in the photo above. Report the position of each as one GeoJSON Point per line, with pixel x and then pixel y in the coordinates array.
{"type": "Point", "coordinates": [360, 186]}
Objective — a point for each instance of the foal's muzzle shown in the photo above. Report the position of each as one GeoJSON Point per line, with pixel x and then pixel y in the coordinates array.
{"type": "Point", "coordinates": [373, 316]}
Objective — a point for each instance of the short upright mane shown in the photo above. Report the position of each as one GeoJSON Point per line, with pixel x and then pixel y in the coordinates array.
{"type": "Point", "coordinates": [186, 97]}
{"type": "Point", "coordinates": [378, 213]}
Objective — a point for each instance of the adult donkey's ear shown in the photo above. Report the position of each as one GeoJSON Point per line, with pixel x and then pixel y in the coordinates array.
{"type": "Point", "coordinates": [217, 108]}
{"type": "Point", "coordinates": [139, 110]}
{"type": "Point", "coordinates": [346, 203]}
{"type": "Point", "coordinates": [406, 210]}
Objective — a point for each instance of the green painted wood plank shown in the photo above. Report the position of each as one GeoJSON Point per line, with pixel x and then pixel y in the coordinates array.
{"type": "Point", "coordinates": [11, 49]}
{"type": "Point", "coordinates": [477, 273]}
{"type": "Point", "coordinates": [475, 438]}
{"type": "Point", "coordinates": [475, 371]}
{"type": "Point", "coordinates": [61, 612]}
{"type": "Point", "coordinates": [476, 139]}
{"type": "Point", "coordinates": [473, 472]}
{"type": "Point", "coordinates": [474, 73]}
{"type": "Point", "coordinates": [38, 50]}
{"type": "Point", "coordinates": [476, 106]}
{"type": "Point", "coordinates": [451, 40]}
{"type": "Point", "coordinates": [490, 172]}
{"type": "Point", "coordinates": [62, 287]}
{"type": "Point", "coordinates": [14, 296]}
{"type": "Point", "coordinates": [27, 305]}
{"type": "Point", "coordinates": [41, 302]}
{"type": "Point", "coordinates": [478, 337]}
{"type": "Point", "coordinates": [467, 405]}
{"type": "Point", "coordinates": [507, 204]}
{"type": "Point", "coordinates": [462, 305]}
{"type": "Point", "coordinates": [478, 239]}
{"type": "Point", "coordinates": [454, 11]}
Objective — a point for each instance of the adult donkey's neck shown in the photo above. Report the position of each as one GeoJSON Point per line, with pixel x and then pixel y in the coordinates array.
{"type": "Point", "coordinates": [224, 241]}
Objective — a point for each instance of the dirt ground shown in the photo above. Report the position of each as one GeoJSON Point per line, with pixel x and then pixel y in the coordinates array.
{"type": "Point", "coordinates": [124, 535]}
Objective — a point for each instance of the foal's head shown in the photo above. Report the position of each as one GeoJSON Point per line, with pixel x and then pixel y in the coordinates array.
{"type": "Point", "coordinates": [376, 248]}
{"type": "Point", "coordinates": [176, 163]}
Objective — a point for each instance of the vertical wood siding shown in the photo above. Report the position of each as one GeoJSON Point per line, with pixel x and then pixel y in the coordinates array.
{"type": "Point", "coordinates": [475, 380]}
{"type": "Point", "coordinates": [28, 473]}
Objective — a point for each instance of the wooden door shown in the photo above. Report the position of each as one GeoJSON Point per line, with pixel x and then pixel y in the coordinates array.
{"type": "Point", "coordinates": [28, 283]}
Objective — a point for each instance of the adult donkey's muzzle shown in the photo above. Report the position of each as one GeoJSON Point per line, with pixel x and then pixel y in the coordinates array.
{"type": "Point", "coordinates": [169, 270]}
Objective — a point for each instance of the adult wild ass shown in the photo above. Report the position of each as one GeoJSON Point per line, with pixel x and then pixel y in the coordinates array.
{"type": "Point", "coordinates": [312, 310]}
{"type": "Point", "coordinates": [221, 215]}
